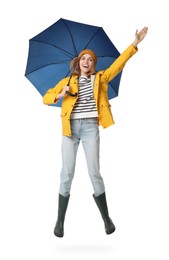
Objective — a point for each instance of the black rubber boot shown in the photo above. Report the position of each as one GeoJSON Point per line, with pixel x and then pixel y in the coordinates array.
{"type": "Point", "coordinates": [62, 207]}
{"type": "Point", "coordinates": [102, 205]}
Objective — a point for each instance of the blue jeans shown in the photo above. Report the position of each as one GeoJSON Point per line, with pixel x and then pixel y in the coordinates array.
{"type": "Point", "coordinates": [87, 131]}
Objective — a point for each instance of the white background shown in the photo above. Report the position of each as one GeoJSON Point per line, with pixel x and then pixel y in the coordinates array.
{"type": "Point", "coordinates": [134, 152]}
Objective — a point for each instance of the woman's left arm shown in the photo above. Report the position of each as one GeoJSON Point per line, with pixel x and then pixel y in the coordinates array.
{"type": "Point", "coordinates": [120, 62]}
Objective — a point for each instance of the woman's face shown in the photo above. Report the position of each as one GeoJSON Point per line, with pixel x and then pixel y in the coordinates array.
{"type": "Point", "coordinates": [86, 63]}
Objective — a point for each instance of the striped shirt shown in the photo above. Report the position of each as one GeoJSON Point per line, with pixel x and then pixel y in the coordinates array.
{"type": "Point", "coordinates": [85, 106]}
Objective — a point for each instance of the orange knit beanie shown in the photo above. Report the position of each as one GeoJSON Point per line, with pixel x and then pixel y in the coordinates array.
{"type": "Point", "coordinates": [92, 54]}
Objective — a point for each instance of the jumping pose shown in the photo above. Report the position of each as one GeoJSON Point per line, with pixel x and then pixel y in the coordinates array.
{"type": "Point", "coordinates": [85, 106]}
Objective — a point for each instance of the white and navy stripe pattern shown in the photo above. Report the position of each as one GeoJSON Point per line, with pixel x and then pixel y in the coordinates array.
{"type": "Point", "coordinates": [85, 105]}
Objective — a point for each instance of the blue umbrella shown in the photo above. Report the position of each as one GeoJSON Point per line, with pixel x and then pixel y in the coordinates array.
{"type": "Point", "coordinates": [52, 50]}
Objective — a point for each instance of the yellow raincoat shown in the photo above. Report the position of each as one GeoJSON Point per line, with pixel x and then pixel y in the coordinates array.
{"type": "Point", "coordinates": [100, 87]}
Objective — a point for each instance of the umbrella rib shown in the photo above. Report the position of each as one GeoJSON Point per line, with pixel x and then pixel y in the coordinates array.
{"type": "Point", "coordinates": [92, 37]}
{"type": "Point", "coordinates": [55, 46]}
{"type": "Point", "coordinates": [75, 50]}
{"type": "Point", "coordinates": [52, 63]}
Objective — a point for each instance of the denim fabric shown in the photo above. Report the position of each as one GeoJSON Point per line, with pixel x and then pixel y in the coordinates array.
{"type": "Point", "coordinates": [85, 131]}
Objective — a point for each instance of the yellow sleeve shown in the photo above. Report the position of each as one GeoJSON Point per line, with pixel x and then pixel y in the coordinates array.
{"type": "Point", "coordinates": [117, 66]}
{"type": "Point", "coordinates": [50, 95]}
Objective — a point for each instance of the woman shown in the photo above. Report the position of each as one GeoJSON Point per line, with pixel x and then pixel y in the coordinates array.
{"type": "Point", "coordinates": [82, 113]}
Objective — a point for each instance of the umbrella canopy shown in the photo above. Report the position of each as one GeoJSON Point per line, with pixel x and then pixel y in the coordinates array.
{"type": "Point", "coordinates": [52, 50]}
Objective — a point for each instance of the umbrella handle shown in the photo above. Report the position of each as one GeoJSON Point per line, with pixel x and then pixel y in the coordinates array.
{"type": "Point", "coordinates": [70, 94]}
